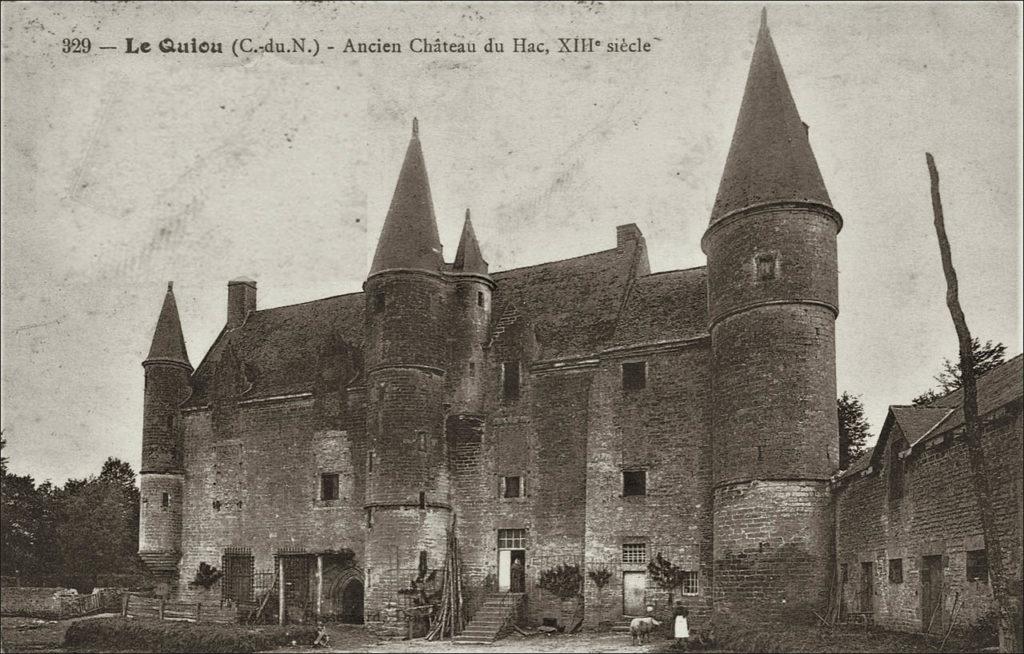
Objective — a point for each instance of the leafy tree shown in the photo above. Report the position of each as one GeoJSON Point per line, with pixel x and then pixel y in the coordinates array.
{"type": "Point", "coordinates": [986, 357]}
{"type": "Point", "coordinates": [853, 429]}
{"type": "Point", "coordinates": [27, 528]}
{"type": "Point", "coordinates": [666, 575]}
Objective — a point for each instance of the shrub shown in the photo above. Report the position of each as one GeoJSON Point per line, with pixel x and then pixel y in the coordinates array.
{"type": "Point", "coordinates": [156, 636]}
{"type": "Point", "coordinates": [565, 580]}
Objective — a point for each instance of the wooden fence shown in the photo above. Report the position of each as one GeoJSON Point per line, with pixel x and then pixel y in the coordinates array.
{"type": "Point", "coordinates": [138, 606]}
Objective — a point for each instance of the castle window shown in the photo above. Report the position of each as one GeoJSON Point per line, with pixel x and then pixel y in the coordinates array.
{"type": "Point", "coordinates": [511, 486]}
{"type": "Point", "coordinates": [423, 500]}
{"type": "Point", "coordinates": [369, 524]}
{"type": "Point", "coordinates": [689, 585]}
{"type": "Point", "coordinates": [369, 461]}
{"type": "Point", "coordinates": [329, 486]}
{"type": "Point", "coordinates": [634, 482]}
{"type": "Point", "coordinates": [479, 298]}
{"type": "Point", "coordinates": [165, 500]}
{"type": "Point", "coordinates": [378, 301]}
{"type": "Point", "coordinates": [895, 571]}
{"type": "Point", "coordinates": [237, 564]}
{"type": "Point", "coordinates": [510, 380]}
{"type": "Point", "coordinates": [634, 375]}
{"type": "Point", "coordinates": [765, 265]}
{"type": "Point", "coordinates": [511, 539]}
{"type": "Point", "coordinates": [844, 572]}
{"type": "Point", "coordinates": [634, 553]}
{"type": "Point", "coordinates": [472, 369]}
{"type": "Point", "coordinates": [977, 565]}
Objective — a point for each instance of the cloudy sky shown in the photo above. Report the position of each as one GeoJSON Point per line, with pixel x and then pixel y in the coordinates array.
{"type": "Point", "coordinates": [123, 171]}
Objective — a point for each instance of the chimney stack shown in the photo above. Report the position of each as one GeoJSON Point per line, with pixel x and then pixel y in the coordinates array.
{"type": "Point", "coordinates": [241, 300]}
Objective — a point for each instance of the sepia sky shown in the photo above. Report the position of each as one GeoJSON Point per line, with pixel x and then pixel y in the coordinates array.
{"type": "Point", "coordinates": [123, 171]}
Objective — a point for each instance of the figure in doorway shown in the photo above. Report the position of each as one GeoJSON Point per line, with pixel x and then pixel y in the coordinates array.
{"type": "Point", "coordinates": [518, 576]}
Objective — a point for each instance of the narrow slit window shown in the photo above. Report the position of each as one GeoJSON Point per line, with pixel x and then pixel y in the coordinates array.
{"type": "Point", "coordinates": [165, 500]}
{"type": "Point", "coordinates": [479, 298]}
{"type": "Point", "coordinates": [472, 369]}
{"type": "Point", "coordinates": [634, 375]}
{"type": "Point", "coordinates": [378, 301]}
{"type": "Point", "coordinates": [423, 499]}
{"type": "Point", "coordinates": [510, 380]}
{"type": "Point", "coordinates": [765, 266]}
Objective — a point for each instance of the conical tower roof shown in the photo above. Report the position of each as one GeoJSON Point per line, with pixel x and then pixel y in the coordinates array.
{"type": "Point", "coordinates": [409, 238]}
{"type": "Point", "coordinates": [468, 257]}
{"type": "Point", "coordinates": [770, 159]}
{"type": "Point", "coordinates": [168, 342]}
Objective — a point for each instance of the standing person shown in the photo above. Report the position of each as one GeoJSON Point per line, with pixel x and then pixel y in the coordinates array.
{"type": "Point", "coordinates": [517, 576]}
{"type": "Point", "coordinates": [681, 627]}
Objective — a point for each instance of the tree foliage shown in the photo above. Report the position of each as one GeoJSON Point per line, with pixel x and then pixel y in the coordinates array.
{"type": "Point", "coordinates": [949, 379]}
{"type": "Point", "coordinates": [853, 429]}
{"type": "Point", "coordinates": [87, 527]}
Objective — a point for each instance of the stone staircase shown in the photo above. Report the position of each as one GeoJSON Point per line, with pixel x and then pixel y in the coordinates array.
{"type": "Point", "coordinates": [487, 623]}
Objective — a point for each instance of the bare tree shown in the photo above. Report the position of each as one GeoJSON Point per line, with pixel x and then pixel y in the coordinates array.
{"type": "Point", "coordinates": [1004, 599]}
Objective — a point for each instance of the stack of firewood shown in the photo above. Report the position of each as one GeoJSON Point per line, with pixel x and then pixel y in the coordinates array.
{"type": "Point", "coordinates": [449, 620]}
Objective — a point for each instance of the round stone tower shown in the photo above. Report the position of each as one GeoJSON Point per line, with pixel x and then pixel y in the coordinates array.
{"type": "Point", "coordinates": [407, 505]}
{"type": "Point", "coordinates": [772, 295]}
{"type": "Point", "coordinates": [161, 478]}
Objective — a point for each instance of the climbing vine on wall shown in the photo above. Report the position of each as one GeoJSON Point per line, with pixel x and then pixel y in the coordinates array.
{"type": "Point", "coordinates": [564, 580]}
{"type": "Point", "coordinates": [206, 576]}
{"type": "Point", "coordinates": [600, 577]}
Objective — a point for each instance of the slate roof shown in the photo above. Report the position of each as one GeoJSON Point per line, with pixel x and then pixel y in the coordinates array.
{"type": "Point", "coordinates": [572, 304]}
{"type": "Point", "coordinates": [468, 257]}
{"type": "Point", "coordinates": [279, 347]}
{"type": "Point", "coordinates": [997, 387]}
{"type": "Point", "coordinates": [168, 342]}
{"type": "Point", "coordinates": [770, 158]}
{"type": "Point", "coordinates": [409, 237]}
{"type": "Point", "coordinates": [664, 306]}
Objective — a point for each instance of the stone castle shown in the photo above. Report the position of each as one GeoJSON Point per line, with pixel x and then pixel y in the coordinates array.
{"type": "Point", "coordinates": [584, 412]}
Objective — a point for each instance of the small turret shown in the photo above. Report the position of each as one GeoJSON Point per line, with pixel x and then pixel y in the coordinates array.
{"type": "Point", "coordinates": [470, 320]}
{"type": "Point", "coordinates": [468, 258]}
{"type": "Point", "coordinates": [161, 480]}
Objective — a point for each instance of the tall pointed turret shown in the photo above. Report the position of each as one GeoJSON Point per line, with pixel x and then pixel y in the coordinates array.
{"type": "Point", "coordinates": [409, 239]}
{"type": "Point", "coordinates": [468, 258]}
{"type": "Point", "coordinates": [770, 159]}
{"type": "Point", "coordinates": [168, 342]}
{"type": "Point", "coordinates": [772, 303]}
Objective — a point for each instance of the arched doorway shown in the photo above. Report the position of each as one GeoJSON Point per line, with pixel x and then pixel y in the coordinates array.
{"type": "Point", "coordinates": [344, 600]}
{"type": "Point", "coordinates": [351, 603]}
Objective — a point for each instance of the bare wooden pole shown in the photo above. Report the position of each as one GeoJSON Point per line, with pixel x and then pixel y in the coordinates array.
{"type": "Point", "coordinates": [972, 431]}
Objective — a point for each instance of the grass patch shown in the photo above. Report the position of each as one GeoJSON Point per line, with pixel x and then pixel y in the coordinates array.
{"type": "Point", "coordinates": [788, 636]}
{"type": "Point", "coordinates": [156, 636]}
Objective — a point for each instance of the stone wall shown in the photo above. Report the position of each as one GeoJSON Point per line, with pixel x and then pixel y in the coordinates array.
{"type": "Point", "coordinates": [936, 515]}
{"type": "Point", "coordinates": [663, 429]}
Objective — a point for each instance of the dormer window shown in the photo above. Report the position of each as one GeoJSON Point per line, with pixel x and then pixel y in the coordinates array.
{"type": "Point", "coordinates": [766, 266]}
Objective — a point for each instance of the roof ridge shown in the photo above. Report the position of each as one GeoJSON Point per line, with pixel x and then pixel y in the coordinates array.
{"type": "Point", "coordinates": [674, 270]}
{"type": "Point", "coordinates": [548, 263]}
{"type": "Point", "coordinates": [299, 304]}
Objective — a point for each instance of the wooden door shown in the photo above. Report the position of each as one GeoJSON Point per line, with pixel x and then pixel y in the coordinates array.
{"type": "Point", "coordinates": [867, 587]}
{"type": "Point", "coordinates": [634, 587]}
{"type": "Point", "coordinates": [931, 594]}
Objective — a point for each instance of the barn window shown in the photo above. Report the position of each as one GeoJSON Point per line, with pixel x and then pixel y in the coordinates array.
{"type": "Point", "coordinates": [511, 486]}
{"type": "Point", "coordinates": [329, 486]}
{"type": "Point", "coordinates": [765, 265]}
{"type": "Point", "coordinates": [895, 571]}
{"type": "Point", "coordinates": [977, 565]}
{"type": "Point", "coordinates": [634, 375]}
{"type": "Point", "coordinates": [634, 482]}
{"type": "Point", "coordinates": [634, 553]}
{"type": "Point", "coordinates": [510, 380]}
{"type": "Point", "coordinates": [689, 586]}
